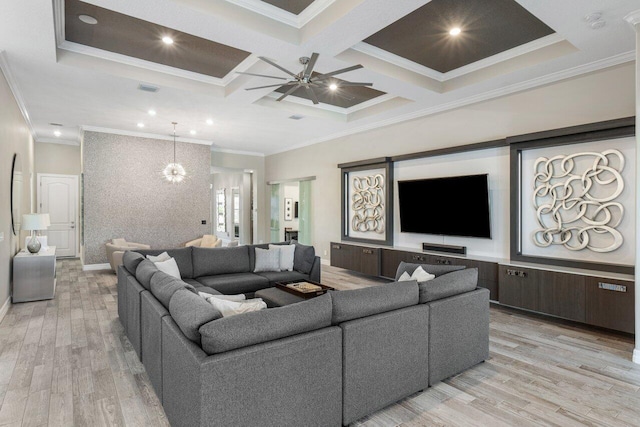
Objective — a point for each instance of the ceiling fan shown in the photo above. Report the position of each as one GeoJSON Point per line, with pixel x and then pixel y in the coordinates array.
{"type": "Point", "coordinates": [306, 79]}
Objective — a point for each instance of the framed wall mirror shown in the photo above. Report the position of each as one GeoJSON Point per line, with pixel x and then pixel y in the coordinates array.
{"type": "Point", "coordinates": [17, 185]}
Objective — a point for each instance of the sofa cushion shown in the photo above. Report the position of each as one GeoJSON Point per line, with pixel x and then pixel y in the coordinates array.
{"type": "Point", "coordinates": [446, 285]}
{"type": "Point", "coordinates": [267, 260]}
{"type": "Point", "coordinates": [265, 325]}
{"type": "Point", "coordinates": [283, 276]}
{"type": "Point", "coordinates": [181, 255]}
{"type": "Point", "coordinates": [252, 253]}
{"type": "Point", "coordinates": [357, 303]}
{"type": "Point", "coordinates": [163, 286]}
{"type": "Point", "coordinates": [239, 283]}
{"type": "Point", "coordinates": [436, 269]}
{"type": "Point", "coordinates": [146, 269]}
{"type": "Point", "coordinates": [214, 261]}
{"type": "Point", "coordinates": [190, 311]}
{"type": "Point", "coordinates": [303, 257]}
{"type": "Point", "coordinates": [206, 290]}
{"type": "Point", "coordinates": [131, 260]}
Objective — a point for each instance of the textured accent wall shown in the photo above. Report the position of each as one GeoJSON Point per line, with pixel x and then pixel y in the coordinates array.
{"type": "Point", "coordinates": [126, 196]}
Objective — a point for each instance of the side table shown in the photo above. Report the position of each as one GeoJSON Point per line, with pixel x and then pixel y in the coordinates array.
{"type": "Point", "coordinates": [34, 275]}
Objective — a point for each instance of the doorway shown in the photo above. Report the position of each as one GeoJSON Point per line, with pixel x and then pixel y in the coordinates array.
{"type": "Point", "coordinates": [290, 216]}
{"type": "Point", "coordinates": [58, 196]}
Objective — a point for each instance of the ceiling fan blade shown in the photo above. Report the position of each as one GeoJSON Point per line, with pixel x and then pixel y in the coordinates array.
{"type": "Point", "coordinates": [289, 92]}
{"type": "Point", "coordinates": [268, 61]}
{"type": "Point", "coordinates": [334, 73]}
{"type": "Point", "coordinates": [353, 84]}
{"type": "Point", "coordinates": [312, 94]}
{"type": "Point", "coordinates": [261, 75]}
{"type": "Point", "coordinates": [312, 63]}
{"type": "Point", "coordinates": [278, 85]}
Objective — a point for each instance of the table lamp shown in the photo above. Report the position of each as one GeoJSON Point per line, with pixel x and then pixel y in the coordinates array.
{"type": "Point", "coordinates": [33, 223]}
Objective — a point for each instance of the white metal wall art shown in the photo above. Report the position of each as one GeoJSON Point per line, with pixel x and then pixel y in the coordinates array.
{"type": "Point", "coordinates": [367, 203]}
{"type": "Point", "coordinates": [576, 205]}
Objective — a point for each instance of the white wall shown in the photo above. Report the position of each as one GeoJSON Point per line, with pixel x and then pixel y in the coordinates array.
{"type": "Point", "coordinates": [494, 162]}
{"type": "Point", "coordinates": [14, 138]}
{"type": "Point", "coordinates": [604, 95]}
{"type": "Point", "coordinates": [289, 190]}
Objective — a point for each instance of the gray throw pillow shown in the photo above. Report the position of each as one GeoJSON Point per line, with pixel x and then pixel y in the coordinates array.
{"type": "Point", "coordinates": [191, 311]}
{"type": "Point", "coordinates": [267, 260]}
{"type": "Point", "coordinates": [303, 258]}
{"type": "Point", "coordinates": [447, 285]}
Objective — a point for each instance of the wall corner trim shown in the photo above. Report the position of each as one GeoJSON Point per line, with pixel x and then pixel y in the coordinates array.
{"type": "Point", "coordinates": [636, 356]}
{"type": "Point", "coordinates": [95, 267]}
{"type": "Point", "coordinates": [5, 308]}
{"type": "Point", "coordinates": [15, 90]}
{"type": "Point", "coordinates": [634, 19]}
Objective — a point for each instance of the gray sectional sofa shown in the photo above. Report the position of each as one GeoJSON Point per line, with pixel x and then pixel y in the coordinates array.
{"type": "Point", "coordinates": [327, 361]}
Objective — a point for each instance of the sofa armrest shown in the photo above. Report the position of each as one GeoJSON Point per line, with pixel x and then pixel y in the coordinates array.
{"type": "Point", "coordinates": [138, 246]}
{"type": "Point", "coordinates": [194, 242]}
{"type": "Point", "coordinates": [116, 258]}
{"type": "Point", "coordinates": [314, 274]}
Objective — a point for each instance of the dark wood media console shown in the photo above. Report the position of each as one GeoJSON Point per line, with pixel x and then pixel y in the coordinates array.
{"type": "Point", "coordinates": [599, 299]}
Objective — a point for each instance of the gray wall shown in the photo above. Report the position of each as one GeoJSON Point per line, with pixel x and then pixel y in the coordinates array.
{"type": "Point", "coordinates": [125, 194]}
{"type": "Point", "coordinates": [57, 158]}
{"type": "Point", "coordinates": [604, 95]}
{"type": "Point", "coordinates": [14, 138]}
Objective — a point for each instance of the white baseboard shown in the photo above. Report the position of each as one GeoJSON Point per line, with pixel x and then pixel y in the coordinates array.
{"type": "Point", "coordinates": [92, 267]}
{"type": "Point", "coordinates": [5, 308]}
{"type": "Point", "coordinates": [636, 356]}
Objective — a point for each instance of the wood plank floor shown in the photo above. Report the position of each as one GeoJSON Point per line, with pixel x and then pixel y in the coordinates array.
{"type": "Point", "coordinates": [66, 362]}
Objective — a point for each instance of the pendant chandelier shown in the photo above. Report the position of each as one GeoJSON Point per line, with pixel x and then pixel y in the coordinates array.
{"type": "Point", "coordinates": [174, 172]}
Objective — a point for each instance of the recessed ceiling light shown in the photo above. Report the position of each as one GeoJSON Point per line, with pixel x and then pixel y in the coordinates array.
{"type": "Point", "coordinates": [167, 40]}
{"type": "Point", "coordinates": [455, 31]}
{"type": "Point", "coordinates": [57, 133]}
{"type": "Point", "coordinates": [192, 132]}
{"type": "Point", "coordinates": [140, 125]}
{"type": "Point", "coordinates": [152, 112]}
{"type": "Point", "coordinates": [88, 19]}
{"type": "Point", "coordinates": [333, 86]}
{"type": "Point", "coordinates": [209, 122]}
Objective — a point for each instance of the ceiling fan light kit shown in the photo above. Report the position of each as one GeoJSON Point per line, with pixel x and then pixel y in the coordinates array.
{"type": "Point", "coordinates": [306, 79]}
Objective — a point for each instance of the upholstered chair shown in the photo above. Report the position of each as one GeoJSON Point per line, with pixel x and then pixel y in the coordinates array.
{"type": "Point", "coordinates": [117, 248]}
{"type": "Point", "coordinates": [206, 241]}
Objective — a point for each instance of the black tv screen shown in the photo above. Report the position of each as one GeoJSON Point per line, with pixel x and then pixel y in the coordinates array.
{"type": "Point", "coordinates": [453, 206]}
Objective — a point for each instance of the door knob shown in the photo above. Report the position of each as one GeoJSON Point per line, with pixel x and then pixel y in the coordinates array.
{"type": "Point", "coordinates": [73, 226]}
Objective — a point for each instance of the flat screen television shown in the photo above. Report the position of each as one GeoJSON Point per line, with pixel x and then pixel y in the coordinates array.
{"type": "Point", "coordinates": [452, 206]}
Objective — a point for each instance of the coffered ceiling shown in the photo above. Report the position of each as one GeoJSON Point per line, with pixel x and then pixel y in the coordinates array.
{"type": "Point", "coordinates": [88, 75]}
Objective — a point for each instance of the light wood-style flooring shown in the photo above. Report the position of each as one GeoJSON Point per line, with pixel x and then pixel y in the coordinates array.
{"type": "Point", "coordinates": [66, 362]}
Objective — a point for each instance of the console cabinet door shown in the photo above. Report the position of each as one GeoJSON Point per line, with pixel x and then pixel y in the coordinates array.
{"type": "Point", "coordinates": [610, 308]}
{"type": "Point", "coordinates": [345, 256]}
{"type": "Point", "coordinates": [519, 287]}
{"type": "Point", "coordinates": [369, 261]}
{"type": "Point", "coordinates": [562, 295]}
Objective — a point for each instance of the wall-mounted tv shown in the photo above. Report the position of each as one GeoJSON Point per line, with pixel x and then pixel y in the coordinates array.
{"type": "Point", "coordinates": [452, 206]}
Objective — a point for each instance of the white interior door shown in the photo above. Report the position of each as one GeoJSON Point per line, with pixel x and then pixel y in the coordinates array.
{"type": "Point", "coordinates": [58, 196]}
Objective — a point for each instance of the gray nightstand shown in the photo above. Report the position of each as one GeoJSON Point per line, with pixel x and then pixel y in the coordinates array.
{"type": "Point", "coordinates": [34, 275]}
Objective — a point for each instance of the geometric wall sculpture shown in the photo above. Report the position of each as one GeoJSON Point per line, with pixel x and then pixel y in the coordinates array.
{"type": "Point", "coordinates": [367, 204]}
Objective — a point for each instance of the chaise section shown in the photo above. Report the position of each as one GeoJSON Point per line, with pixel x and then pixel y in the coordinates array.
{"type": "Point", "coordinates": [293, 381]}
{"type": "Point", "coordinates": [458, 333]}
{"type": "Point", "coordinates": [238, 283]}
{"type": "Point", "coordinates": [283, 276]}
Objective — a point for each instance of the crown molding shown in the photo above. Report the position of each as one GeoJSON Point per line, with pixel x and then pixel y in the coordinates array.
{"type": "Point", "coordinates": [486, 96]}
{"type": "Point", "coordinates": [240, 152]}
{"type": "Point", "coordinates": [399, 61]}
{"type": "Point", "coordinates": [15, 90]}
{"type": "Point", "coordinates": [58, 141]}
{"type": "Point", "coordinates": [144, 135]}
{"type": "Point", "coordinates": [633, 18]}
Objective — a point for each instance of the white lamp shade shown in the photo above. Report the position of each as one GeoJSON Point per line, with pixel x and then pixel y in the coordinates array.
{"type": "Point", "coordinates": [35, 222]}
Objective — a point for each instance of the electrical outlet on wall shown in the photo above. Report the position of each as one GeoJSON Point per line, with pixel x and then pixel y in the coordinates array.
{"type": "Point", "coordinates": [204, 222]}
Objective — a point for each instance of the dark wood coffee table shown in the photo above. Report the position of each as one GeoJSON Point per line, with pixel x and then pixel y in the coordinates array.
{"type": "Point", "coordinates": [281, 295]}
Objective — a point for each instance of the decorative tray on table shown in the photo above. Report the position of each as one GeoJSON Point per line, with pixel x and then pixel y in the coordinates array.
{"type": "Point", "coordinates": [304, 288]}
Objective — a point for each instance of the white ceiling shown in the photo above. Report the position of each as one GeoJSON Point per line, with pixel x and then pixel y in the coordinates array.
{"type": "Point", "coordinates": [86, 89]}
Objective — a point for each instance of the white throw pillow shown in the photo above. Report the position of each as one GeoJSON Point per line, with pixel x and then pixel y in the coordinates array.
{"type": "Point", "coordinates": [405, 277]}
{"type": "Point", "coordinates": [162, 257]}
{"type": "Point", "coordinates": [420, 275]}
{"type": "Point", "coordinates": [267, 260]}
{"type": "Point", "coordinates": [236, 298]}
{"type": "Point", "coordinates": [170, 267]}
{"type": "Point", "coordinates": [286, 256]}
{"type": "Point", "coordinates": [231, 308]}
